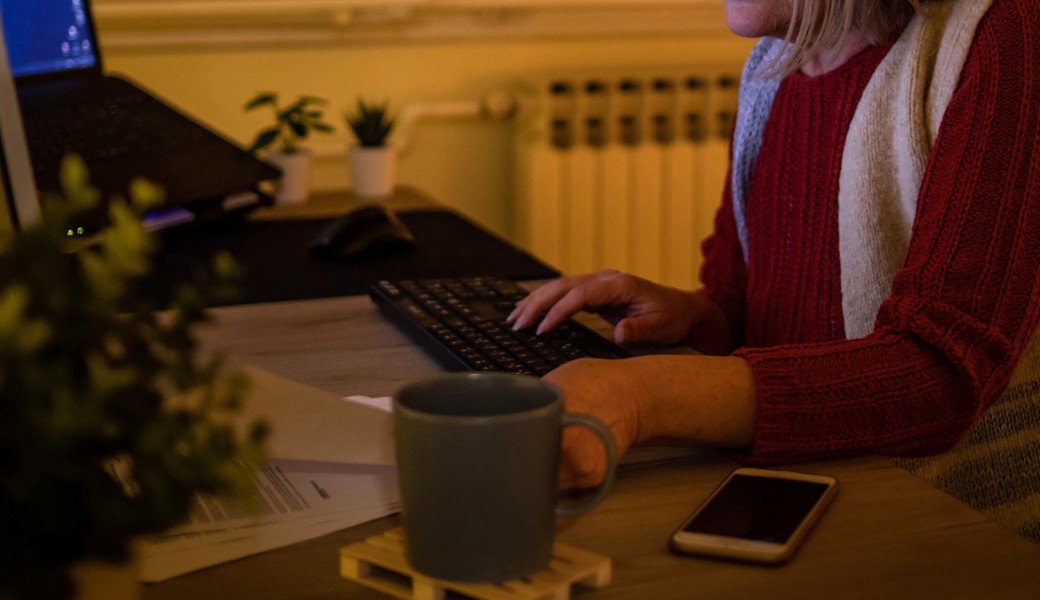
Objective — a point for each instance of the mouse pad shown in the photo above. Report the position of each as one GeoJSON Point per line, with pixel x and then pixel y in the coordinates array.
{"type": "Point", "coordinates": [276, 260]}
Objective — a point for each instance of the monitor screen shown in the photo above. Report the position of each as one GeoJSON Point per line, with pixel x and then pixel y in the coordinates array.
{"type": "Point", "coordinates": [48, 36]}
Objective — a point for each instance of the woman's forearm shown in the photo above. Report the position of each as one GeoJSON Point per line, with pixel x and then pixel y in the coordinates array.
{"type": "Point", "coordinates": [687, 400]}
{"type": "Point", "coordinates": [702, 400]}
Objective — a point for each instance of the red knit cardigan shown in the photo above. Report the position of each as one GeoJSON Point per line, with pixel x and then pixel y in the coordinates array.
{"type": "Point", "coordinates": [947, 339]}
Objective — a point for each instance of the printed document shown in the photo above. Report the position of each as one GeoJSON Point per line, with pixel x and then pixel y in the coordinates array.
{"type": "Point", "coordinates": [331, 467]}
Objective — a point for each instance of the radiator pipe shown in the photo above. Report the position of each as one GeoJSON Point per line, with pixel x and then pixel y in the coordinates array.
{"type": "Point", "coordinates": [498, 104]}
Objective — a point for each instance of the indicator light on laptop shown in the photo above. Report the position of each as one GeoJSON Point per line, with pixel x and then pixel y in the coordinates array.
{"type": "Point", "coordinates": [73, 232]}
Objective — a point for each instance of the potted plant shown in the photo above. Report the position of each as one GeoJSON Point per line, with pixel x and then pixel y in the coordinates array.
{"type": "Point", "coordinates": [372, 160]}
{"type": "Point", "coordinates": [110, 421]}
{"type": "Point", "coordinates": [292, 125]}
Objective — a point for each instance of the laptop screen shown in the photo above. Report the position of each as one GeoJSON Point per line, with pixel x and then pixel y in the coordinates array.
{"type": "Point", "coordinates": [48, 36]}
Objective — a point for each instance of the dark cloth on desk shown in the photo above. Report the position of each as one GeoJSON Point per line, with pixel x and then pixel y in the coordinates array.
{"type": "Point", "coordinates": [275, 257]}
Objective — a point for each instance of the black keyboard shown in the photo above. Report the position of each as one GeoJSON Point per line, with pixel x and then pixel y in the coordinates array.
{"type": "Point", "coordinates": [461, 323]}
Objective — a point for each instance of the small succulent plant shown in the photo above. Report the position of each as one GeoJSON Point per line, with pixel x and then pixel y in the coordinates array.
{"type": "Point", "coordinates": [370, 122]}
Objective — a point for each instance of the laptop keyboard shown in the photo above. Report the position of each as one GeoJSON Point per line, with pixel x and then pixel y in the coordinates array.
{"type": "Point", "coordinates": [461, 323]}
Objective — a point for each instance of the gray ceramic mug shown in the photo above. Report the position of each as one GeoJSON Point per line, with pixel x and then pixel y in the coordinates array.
{"type": "Point", "coordinates": [477, 459]}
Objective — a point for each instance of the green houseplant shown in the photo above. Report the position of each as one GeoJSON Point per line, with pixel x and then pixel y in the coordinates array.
{"type": "Point", "coordinates": [370, 122]}
{"type": "Point", "coordinates": [372, 159]}
{"type": "Point", "coordinates": [282, 141]}
{"type": "Point", "coordinates": [110, 420]}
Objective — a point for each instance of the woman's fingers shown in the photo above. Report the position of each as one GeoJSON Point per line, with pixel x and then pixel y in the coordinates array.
{"type": "Point", "coordinates": [562, 298]}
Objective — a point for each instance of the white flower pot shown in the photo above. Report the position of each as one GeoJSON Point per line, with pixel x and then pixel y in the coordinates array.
{"type": "Point", "coordinates": [295, 185]}
{"type": "Point", "coordinates": [372, 171]}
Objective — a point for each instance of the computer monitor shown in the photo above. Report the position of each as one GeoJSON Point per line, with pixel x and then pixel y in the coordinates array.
{"type": "Point", "coordinates": [21, 200]}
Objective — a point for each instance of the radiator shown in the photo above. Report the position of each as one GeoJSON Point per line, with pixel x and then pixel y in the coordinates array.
{"type": "Point", "coordinates": [624, 170]}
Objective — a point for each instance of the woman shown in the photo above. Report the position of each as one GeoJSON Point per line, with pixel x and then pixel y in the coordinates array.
{"type": "Point", "coordinates": [872, 283]}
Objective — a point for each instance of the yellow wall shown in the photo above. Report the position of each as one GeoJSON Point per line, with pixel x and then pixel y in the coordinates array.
{"type": "Point", "coordinates": [464, 163]}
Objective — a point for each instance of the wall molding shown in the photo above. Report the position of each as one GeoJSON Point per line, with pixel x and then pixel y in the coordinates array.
{"type": "Point", "coordinates": [157, 24]}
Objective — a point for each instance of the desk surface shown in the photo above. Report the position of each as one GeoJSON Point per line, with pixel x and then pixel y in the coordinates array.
{"type": "Point", "coordinates": [888, 533]}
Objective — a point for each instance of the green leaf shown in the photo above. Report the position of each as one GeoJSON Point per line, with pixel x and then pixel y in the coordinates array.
{"type": "Point", "coordinates": [145, 194]}
{"type": "Point", "coordinates": [75, 184]}
{"type": "Point", "coordinates": [370, 122]}
{"type": "Point", "coordinates": [264, 139]}
{"type": "Point", "coordinates": [13, 301]}
{"type": "Point", "coordinates": [27, 335]}
{"type": "Point", "coordinates": [290, 114]}
{"type": "Point", "coordinates": [74, 172]}
{"type": "Point", "coordinates": [298, 128]}
{"type": "Point", "coordinates": [292, 123]}
{"type": "Point", "coordinates": [261, 99]}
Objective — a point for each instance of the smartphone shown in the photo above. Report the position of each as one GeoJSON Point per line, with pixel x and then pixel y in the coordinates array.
{"type": "Point", "coordinates": [756, 515]}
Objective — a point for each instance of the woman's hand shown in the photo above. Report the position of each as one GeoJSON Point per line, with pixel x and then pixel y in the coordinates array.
{"type": "Point", "coordinates": [600, 388]}
{"type": "Point", "coordinates": [685, 400]}
{"type": "Point", "coordinates": [640, 310]}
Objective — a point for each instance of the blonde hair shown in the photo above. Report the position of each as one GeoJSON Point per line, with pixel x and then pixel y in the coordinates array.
{"type": "Point", "coordinates": [818, 25]}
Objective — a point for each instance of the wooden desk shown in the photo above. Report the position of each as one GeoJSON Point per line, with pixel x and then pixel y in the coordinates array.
{"type": "Point", "coordinates": [887, 535]}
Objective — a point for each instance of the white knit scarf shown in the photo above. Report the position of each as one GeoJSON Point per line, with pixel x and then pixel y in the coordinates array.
{"type": "Point", "coordinates": [886, 150]}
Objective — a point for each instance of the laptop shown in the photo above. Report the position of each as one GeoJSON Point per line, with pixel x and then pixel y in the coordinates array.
{"type": "Point", "coordinates": [69, 105]}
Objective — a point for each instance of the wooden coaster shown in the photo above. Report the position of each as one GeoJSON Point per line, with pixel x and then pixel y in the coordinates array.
{"type": "Point", "coordinates": [379, 563]}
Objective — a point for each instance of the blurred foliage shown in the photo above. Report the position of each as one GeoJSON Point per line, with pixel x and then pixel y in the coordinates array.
{"type": "Point", "coordinates": [110, 421]}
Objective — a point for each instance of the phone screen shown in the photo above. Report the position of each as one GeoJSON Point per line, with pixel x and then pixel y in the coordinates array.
{"type": "Point", "coordinates": [761, 509]}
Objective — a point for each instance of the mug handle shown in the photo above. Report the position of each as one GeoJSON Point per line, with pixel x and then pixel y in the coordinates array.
{"type": "Point", "coordinates": [572, 507]}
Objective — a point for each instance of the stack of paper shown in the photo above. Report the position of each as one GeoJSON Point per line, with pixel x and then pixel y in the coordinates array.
{"type": "Point", "coordinates": [331, 468]}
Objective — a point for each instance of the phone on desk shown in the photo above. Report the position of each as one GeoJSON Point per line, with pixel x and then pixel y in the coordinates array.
{"type": "Point", "coordinates": [756, 515]}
